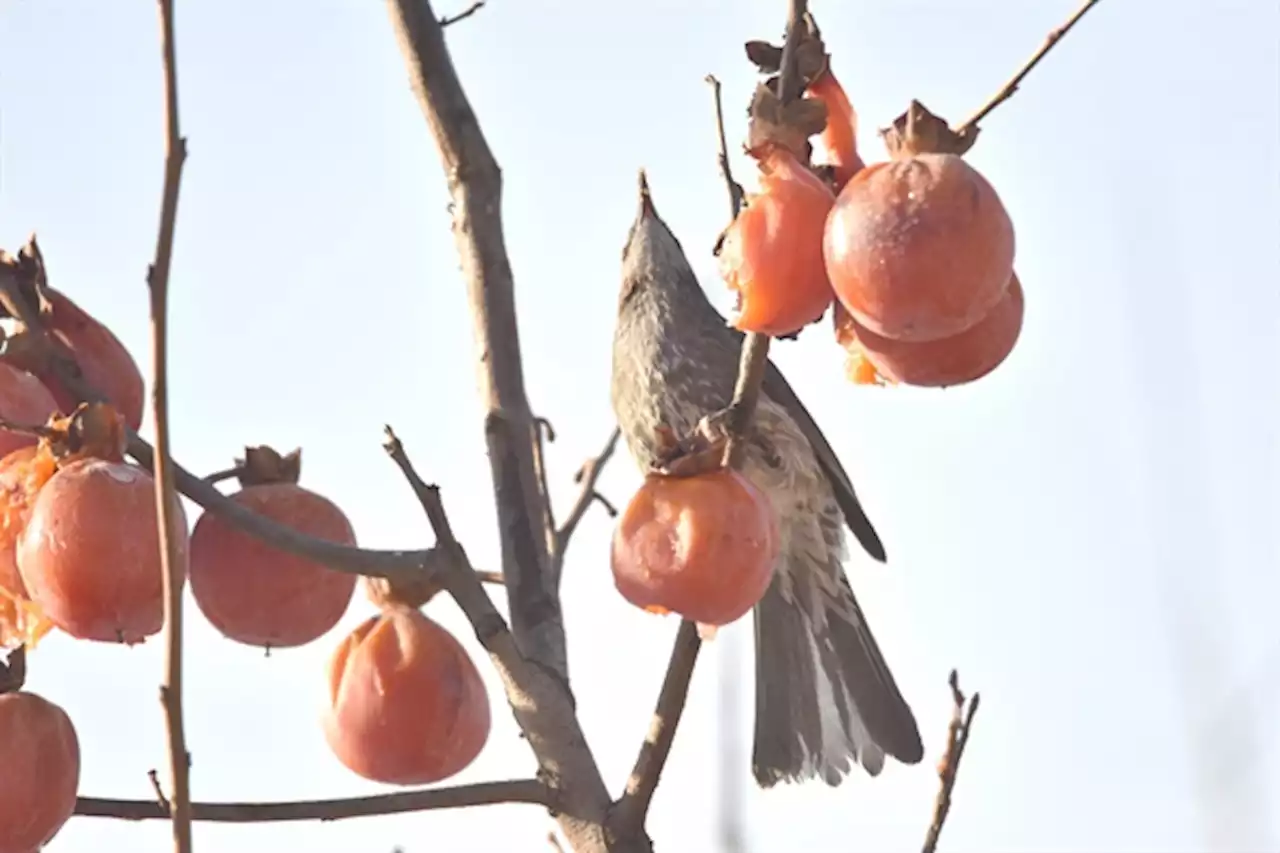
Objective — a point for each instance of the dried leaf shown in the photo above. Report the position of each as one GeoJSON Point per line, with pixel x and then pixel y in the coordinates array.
{"type": "Point", "coordinates": [772, 124]}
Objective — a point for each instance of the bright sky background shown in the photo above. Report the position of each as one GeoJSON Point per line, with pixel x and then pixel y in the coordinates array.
{"type": "Point", "coordinates": [1087, 534]}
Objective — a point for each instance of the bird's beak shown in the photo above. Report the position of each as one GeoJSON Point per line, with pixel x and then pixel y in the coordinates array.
{"type": "Point", "coordinates": [646, 200]}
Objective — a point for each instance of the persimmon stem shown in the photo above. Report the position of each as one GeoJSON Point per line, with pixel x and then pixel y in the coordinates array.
{"type": "Point", "coordinates": [957, 740]}
{"type": "Point", "coordinates": [223, 475]}
{"type": "Point", "coordinates": [462, 796]}
{"type": "Point", "coordinates": [969, 127]}
{"type": "Point", "coordinates": [171, 547]}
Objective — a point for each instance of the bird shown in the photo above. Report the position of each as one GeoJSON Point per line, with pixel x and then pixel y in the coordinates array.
{"type": "Point", "coordinates": [825, 700]}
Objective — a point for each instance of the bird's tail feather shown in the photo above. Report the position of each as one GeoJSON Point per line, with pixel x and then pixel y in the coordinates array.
{"type": "Point", "coordinates": [825, 699]}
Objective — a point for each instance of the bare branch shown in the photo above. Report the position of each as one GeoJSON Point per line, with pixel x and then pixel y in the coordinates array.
{"type": "Point", "coordinates": [632, 807]}
{"type": "Point", "coordinates": [172, 529]}
{"type": "Point", "coordinates": [587, 477]}
{"type": "Point", "coordinates": [463, 15]}
{"type": "Point", "coordinates": [722, 155]}
{"type": "Point", "coordinates": [463, 796]}
{"type": "Point", "coordinates": [542, 706]}
{"type": "Point", "coordinates": [970, 127]}
{"type": "Point", "coordinates": [475, 187]}
{"type": "Point", "coordinates": [957, 739]}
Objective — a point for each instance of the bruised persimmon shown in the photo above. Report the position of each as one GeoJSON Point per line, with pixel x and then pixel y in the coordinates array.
{"type": "Point", "coordinates": [702, 546]}
{"type": "Point", "coordinates": [406, 704]}
{"type": "Point", "coordinates": [39, 772]}
{"type": "Point", "coordinates": [104, 361]}
{"type": "Point", "coordinates": [24, 400]}
{"type": "Point", "coordinates": [837, 145]}
{"type": "Point", "coordinates": [919, 248]}
{"type": "Point", "coordinates": [255, 593]}
{"type": "Point", "coordinates": [22, 473]}
{"type": "Point", "coordinates": [772, 253]}
{"type": "Point", "coordinates": [961, 358]}
{"type": "Point", "coordinates": [90, 552]}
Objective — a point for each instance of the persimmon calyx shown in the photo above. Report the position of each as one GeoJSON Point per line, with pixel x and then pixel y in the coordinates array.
{"type": "Point", "coordinates": [700, 452]}
{"type": "Point", "coordinates": [918, 131]}
{"type": "Point", "coordinates": [93, 430]}
{"type": "Point", "coordinates": [413, 592]}
{"type": "Point", "coordinates": [775, 125]}
{"type": "Point", "coordinates": [262, 465]}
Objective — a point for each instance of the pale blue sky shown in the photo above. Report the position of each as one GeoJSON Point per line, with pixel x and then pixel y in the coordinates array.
{"type": "Point", "coordinates": [1086, 534]}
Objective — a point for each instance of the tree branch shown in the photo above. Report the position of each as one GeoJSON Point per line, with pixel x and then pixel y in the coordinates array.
{"type": "Point", "coordinates": [957, 739]}
{"type": "Point", "coordinates": [542, 705]}
{"type": "Point", "coordinates": [587, 478]}
{"type": "Point", "coordinates": [475, 186]}
{"type": "Point", "coordinates": [969, 129]}
{"type": "Point", "coordinates": [463, 15]}
{"type": "Point", "coordinates": [172, 529]}
{"type": "Point", "coordinates": [722, 153]}
{"type": "Point", "coordinates": [463, 796]}
{"type": "Point", "coordinates": [633, 806]}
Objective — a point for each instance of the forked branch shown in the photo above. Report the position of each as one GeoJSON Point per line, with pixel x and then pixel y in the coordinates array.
{"type": "Point", "coordinates": [957, 740]}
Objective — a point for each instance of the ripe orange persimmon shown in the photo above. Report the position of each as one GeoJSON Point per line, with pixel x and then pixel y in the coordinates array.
{"type": "Point", "coordinates": [919, 248]}
{"type": "Point", "coordinates": [406, 704]}
{"type": "Point", "coordinates": [772, 253]}
{"type": "Point", "coordinates": [956, 360]}
{"type": "Point", "coordinates": [837, 145]}
{"type": "Point", "coordinates": [90, 553]}
{"type": "Point", "coordinates": [702, 546]}
{"type": "Point", "coordinates": [22, 473]}
{"type": "Point", "coordinates": [106, 364]}
{"type": "Point", "coordinates": [25, 400]}
{"type": "Point", "coordinates": [259, 595]}
{"type": "Point", "coordinates": [39, 773]}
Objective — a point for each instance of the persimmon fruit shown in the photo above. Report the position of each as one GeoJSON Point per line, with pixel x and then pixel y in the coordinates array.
{"type": "Point", "coordinates": [104, 361]}
{"type": "Point", "coordinates": [962, 358]}
{"type": "Point", "coordinates": [837, 145]}
{"type": "Point", "coordinates": [40, 771]}
{"type": "Point", "coordinates": [406, 704]}
{"type": "Point", "coordinates": [919, 248]}
{"type": "Point", "coordinates": [90, 552]}
{"type": "Point", "coordinates": [702, 546]}
{"type": "Point", "coordinates": [772, 252]}
{"type": "Point", "coordinates": [24, 400]}
{"type": "Point", "coordinates": [256, 594]}
{"type": "Point", "coordinates": [22, 473]}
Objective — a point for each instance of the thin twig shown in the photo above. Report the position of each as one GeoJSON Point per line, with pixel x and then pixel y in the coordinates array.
{"type": "Point", "coordinates": [587, 478]}
{"type": "Point", "coordinates": [957, 739]}
{"type": "Point", "coordinates": [223, 475]}
{"type": "Point", "coordinates": [546, 434]}
{"type": "Point", "coordinates": [171, 527]}
{"type": "Point", "coordinates": [722, 154]}
{"type": "Point", "coordinates": [631, 809]}
{"type": "Point", "coordinates": [463, 796]}
{"type": "Point", "coordinates": [970, 125]}
{"type": "Point", "coordinates": [542, 707]}
{"type": "Point", "coordinates": [450, 20]}
{"type": "Point", "coordinates": [643, 782]}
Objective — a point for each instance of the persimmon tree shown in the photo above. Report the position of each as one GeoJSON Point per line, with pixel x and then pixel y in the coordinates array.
{"type": "Point", "coordinates": [913, 257]}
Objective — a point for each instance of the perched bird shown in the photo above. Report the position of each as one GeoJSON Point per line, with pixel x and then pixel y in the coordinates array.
{"type": "Point", "coordinates": [824, 696]}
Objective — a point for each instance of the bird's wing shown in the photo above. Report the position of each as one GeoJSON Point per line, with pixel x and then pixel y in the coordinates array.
{"type": "Point", "coordinates": [779, 390]}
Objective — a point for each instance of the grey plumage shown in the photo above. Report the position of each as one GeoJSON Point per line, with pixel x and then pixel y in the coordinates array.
{"type": "Point", "coordinates": [824, 697]}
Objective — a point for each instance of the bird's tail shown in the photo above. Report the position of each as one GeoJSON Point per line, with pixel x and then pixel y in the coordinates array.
{"type": "Point", "coordinates": [825, 699]}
